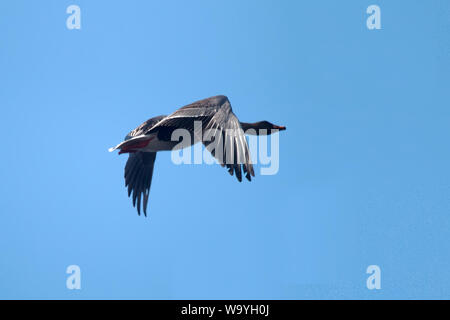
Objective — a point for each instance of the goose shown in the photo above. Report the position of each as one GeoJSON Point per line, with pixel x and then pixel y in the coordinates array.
{"type": "Point", "coordinates": [154, 135]}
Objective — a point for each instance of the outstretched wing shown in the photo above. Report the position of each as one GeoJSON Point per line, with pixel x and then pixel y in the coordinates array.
{"type": "Point", "coordinates": [215, 114]}
{"type": "Point", "coordinates": [138, 177]}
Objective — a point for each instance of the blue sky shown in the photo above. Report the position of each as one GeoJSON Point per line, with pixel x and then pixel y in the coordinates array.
{"type": "Point", "coordinates": [363, 177]}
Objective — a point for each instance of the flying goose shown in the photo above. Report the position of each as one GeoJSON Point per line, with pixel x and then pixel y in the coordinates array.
{"type": "Point", "coordinates": [155, 134]}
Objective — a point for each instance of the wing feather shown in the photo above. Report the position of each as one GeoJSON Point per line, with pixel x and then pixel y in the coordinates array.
{"type": "Point", "coordinates": [138, 177]}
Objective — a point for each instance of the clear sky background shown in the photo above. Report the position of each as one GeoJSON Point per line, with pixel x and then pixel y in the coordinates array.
{"type": "Point", "coordinates": [364, 164]}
